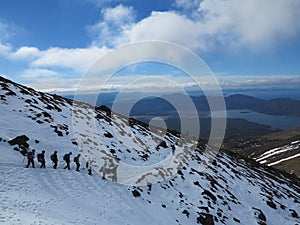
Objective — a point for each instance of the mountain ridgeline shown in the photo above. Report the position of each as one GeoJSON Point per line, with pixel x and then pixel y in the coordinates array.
{"type": "Point", "coordinates": [151, 105]}
{"type": "Point", "coordinates": [238, 124]}
{"type": "Point", "coordinates": [278, 106]}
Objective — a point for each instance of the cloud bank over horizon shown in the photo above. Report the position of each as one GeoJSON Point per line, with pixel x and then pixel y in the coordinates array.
{"type": "Point", "coordinates": [208, 27]}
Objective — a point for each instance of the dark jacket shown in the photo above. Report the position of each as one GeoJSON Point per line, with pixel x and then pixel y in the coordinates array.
{"type": "Point", "coordinates": [67, 157]}
{"type": "Point", "coordinates": [41, 156]}
{"type": "Point", "coordinates": [54, 157]}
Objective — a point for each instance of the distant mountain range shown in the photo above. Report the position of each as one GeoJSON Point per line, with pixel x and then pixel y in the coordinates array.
{"type": "Point", "coordinates": [147, 108]}
{"type": "Point", "coordinates": [278, 106]}
{"type": "Point", "coordinates": [153, 105]}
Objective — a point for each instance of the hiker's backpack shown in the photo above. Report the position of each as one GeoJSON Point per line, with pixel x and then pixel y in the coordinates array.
{"type": "Point", "coordinates": [52, 157]}
{"type": "Point", "coordinates": [65, 157]}
{"type": "Point", "coordinates": [39, 157]}
{"type": "Point", "coordinates": [29, 155]}
{"type": "Point", "coordinates": [75, 159]}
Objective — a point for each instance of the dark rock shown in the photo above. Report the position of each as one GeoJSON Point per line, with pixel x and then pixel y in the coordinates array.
{"type": "Point", "coordinates": [180, 172]}
{"type": "Point", "coordinates": [108, 135]}
{"type": "Point", "coordinates": [271, 204]}
{"type": "Point", "coordinates": [204, 208]}
{"type": "Point", "coordinates": [136, 193]}
{"type": "Point", "coordinates": [10, 92]}
{"type": "Point", "coordinates": [28, 101]}
{"type": "Point", "coordinates": [163, 144]}
{"type": "Point", "coordinates": [112, 151]}
{"type": "Point", "coordinates": [46, 115]}
{"type": "Point", "coordinates": [186, 213]}
{"type": "Point", "coordinates": [105, 110]}
{"type": "Point", "coordinates": [209, 194]}
{"type": "Point", "coordinates": [21, 141]}
{"type": "Point", "coordinates": [294, 213]}
{"type": "Point", "coordinates": [58, 132]}
{"type": "Point", "coordinates": [149, 187]}
{"type": "Point", "coordinates": [236, 220]}
{"type": "Point", "coordinates": [145, 156]}
{"type": "Point", "coordinates": [260, 216]}
{"type": "Point", "coordinates": [180, 195]}
{"type": "Point", "coordinates": [205, 219]}
{"type": "Point", "coordinates": [197, 183]}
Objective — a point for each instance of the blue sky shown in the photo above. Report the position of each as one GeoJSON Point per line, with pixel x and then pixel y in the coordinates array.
{"type": "Point", "coordinates": [248, 44]}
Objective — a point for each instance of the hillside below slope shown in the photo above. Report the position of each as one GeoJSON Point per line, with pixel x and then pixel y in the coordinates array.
{"type": "Point", "coordinates": [280, 150]}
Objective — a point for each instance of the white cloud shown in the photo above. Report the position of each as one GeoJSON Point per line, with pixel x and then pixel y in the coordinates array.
{"type": "Point", "coordinates": [114, 20]}
{"type": "Point", "coordinates": [118, 15]}
{"type": "Point", "coordinates": [199, 25]}
{"type": "Point", "coordinates": [37, 73]}
{"type": "Point", "coordinates": [52, 81]}
{"type": "Point", "coordinates": [55, 84]}
{"type": "Point", "coordinates": [187, 5]}
{"type": "Point", "coordinates": [52, 69]}
{"type": "Point", "coordinates": [167, 26]}
{"type": "Point", "coordinates": [252, 24]}
{"type": "Point", "coordinates": [233, 23]}
{"type": "Point", "coordinates": [255, 81]}
{"type": "Point", "coordinates": [26, 53]}
{"type": "Point", "coordinates": [130, 83]}
{"type": "Point", "coordinates": [78, 59]}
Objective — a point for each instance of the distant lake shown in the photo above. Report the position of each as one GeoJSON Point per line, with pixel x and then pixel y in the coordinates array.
{"type": "Point", "coordinates": [280, 122]}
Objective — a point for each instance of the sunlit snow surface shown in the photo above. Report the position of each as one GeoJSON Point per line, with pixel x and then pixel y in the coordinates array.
{"type": "Point", "coordinates": [229, 191]}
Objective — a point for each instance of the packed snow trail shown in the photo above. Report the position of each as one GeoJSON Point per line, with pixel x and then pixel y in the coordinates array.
{"type": "Point", "coordinates": [48, 196]}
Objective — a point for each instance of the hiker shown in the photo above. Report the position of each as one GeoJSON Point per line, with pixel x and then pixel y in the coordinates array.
{"type": "Point", "coordinates": [88, 165]}
{"type": "Point", "coordinates": [76, 160]}
{"type": "Point", "coordinates": [66, 158]}
{"type": "Point", "coordinates": [41, 159]}
{"type": "Point", "coordinates": [54, 159]}
{"type": "Point", "coordinates": [173, 149]}
{"type": "Point", "coordinates": [30, 158]}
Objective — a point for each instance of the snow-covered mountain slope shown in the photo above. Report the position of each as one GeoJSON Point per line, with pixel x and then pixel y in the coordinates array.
{"type": "Point", "coordinates": [229, 191]}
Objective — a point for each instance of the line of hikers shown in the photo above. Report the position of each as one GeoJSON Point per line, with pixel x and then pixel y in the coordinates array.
{"type": "Point", "coordinates": [67, 158]}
